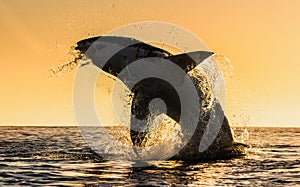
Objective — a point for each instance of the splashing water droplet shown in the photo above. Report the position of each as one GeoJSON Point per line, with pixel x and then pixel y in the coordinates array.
{"type": "Point", "coordinates": [69, 66]}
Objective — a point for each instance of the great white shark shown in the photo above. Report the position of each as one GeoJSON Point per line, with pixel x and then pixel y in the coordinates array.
{"type": "Point", "coordinates": [223, 145]}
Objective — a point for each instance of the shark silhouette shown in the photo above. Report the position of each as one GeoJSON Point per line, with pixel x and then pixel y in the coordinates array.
{"type": "Point", "coordinates": [146, 90]}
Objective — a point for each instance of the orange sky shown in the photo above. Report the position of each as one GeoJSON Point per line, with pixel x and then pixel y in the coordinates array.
{"type": "Point", "coordinates": [261, 38]}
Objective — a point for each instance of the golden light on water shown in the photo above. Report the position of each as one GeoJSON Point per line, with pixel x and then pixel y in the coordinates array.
{"type": "Point", "coordinates": [261, 39]}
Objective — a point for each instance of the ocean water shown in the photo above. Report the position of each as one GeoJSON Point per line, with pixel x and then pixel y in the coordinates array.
{"type": "Point", "coordinates": [58, 156]}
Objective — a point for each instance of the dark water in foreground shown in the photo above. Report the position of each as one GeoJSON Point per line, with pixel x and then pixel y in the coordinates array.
{"type": "Point", "coordinates": [58, 156]}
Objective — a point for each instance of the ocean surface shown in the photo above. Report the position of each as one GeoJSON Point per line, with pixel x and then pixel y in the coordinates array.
{"type": "Point", "coordinates": [58, 156]}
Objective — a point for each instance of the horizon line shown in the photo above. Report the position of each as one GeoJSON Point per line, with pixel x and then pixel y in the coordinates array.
{"type": "Point", "coordinates": [75, 125]}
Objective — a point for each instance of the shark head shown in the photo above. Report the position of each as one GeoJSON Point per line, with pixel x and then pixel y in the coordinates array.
{"type": "Point", "coordinates": [136, 51]}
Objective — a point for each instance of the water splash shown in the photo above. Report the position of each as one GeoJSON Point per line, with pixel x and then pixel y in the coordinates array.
{"type": "Point", "coordinates": [241, 134]}
{"type": "Point", "coordinates": [224, 64]}
{"type": "Point", "coordinates": [78, 60]}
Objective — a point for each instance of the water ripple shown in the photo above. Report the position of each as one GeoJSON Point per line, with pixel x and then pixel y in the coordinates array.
{"type": "Point", "coordinates": [58, 156]}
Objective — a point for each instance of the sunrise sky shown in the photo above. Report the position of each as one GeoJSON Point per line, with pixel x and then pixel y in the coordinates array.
{"type": "Point", "coordinates": [261, 39]}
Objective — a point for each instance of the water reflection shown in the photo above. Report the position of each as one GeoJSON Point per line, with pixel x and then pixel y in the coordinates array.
{"type": "Point", "coordinates": [160, 173]}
